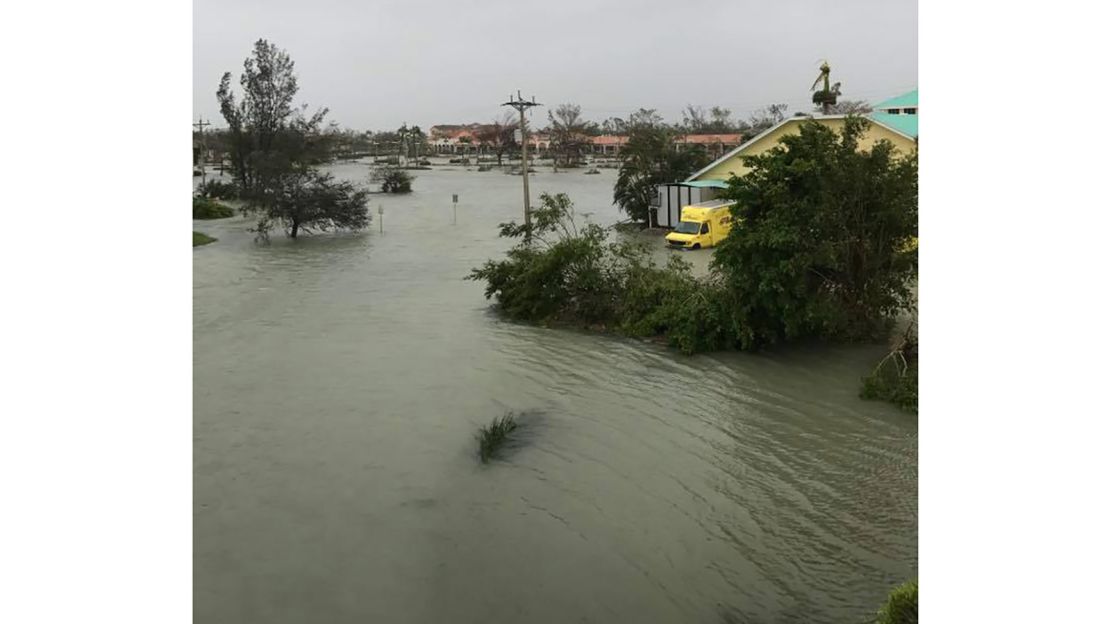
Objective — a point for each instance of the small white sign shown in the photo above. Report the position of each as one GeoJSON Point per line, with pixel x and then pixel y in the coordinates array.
{"type": "Point", "coordinates": [517, 135]}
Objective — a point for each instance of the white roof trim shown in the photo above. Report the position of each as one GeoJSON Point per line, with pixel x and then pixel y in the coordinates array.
{"type": "Point", "coordinates": [759, 136]}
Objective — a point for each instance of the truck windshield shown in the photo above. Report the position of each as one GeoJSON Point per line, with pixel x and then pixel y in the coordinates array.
{"type": "Point", "coordinates": [688, 227]}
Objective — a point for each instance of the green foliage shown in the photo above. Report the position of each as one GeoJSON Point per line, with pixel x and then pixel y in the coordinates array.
{"type": "Point", "coordinates": [648, 160]}
{"type": "Point", "coordinates": [895, 376]}
{"type": "Point", "coordinates": [218, 189]}
{"type": "Point", "coordinates": [888, 385]}
{"type": "Point", "coordinates": [274, 145]}
{"type": "Point", "coordinates": [270, 142]}
{"type": "Point", "coordinates": [391, 179]}
{"type": "Point", "coordinates": [822, 243]}
{"type": "Point", "coordinates": [556, 273]}
{"type": "Point", "coordinates": [563, 273]}
{"type": "Point", "coordinates": [200, 238]}
{"type": "Point", "coordinates": [494, 435]}
{"type": "Point", "coordinates": [822, 249]}
{"type": "Point", "coordinates": [204, 208]}
{"type": "Point", "coordinates": [901, 605]}
{"type": "Point", "coordinates": [308, 200]}
{"type": "Point", "coordinates": [568, 134]}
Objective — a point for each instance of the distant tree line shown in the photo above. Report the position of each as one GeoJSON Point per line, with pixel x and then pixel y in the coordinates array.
{"type": "Point", "coordinates": [568, 132]}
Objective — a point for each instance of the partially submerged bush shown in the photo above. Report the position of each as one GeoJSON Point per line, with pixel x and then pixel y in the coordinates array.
{"type": "Point", "coordinates": [901, 605]}
{"type": "Point", "coordinates": [200, 238]}
{"type": "Point", "coordinates": [894, 379]}
{"type": "Point", "coordinates": [218, 189]}
{"type": "Point", "coordinates": [391, 179]}
{"type": "Point", "coordinates": [494, 435]}
{"type": "Point", "coordinates": [562, 273]}
{"type": "Point", "coordinates": [205, 208]}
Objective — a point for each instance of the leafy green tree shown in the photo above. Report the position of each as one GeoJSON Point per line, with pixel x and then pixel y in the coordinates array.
{"type": "Point", "coordinates": [308, 200]}
{"type": "Point", "coordinates": [568, 134]}
{"type": "Point", "coordinates": [649, 159]}
{"type": "Point", "coordinates": [268, 135]}
{"type": "Point", "coordinates": [499, 135]}
{"type": "Point", "coordinates": [274, 146]}
{"type": "Point", "coordinates": [823, 242]}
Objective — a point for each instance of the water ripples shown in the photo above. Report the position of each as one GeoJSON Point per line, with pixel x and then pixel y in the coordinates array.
{"type": "Point", "coordinates": [339, 382]}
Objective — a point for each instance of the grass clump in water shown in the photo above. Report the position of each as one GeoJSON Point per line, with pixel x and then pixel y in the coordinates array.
{"type": "Point", "coordinates": [494, 435]}
{"type": "Point", "coordinates": [200, 238]}
{"type": "Point", "coordinates": [901, 605]}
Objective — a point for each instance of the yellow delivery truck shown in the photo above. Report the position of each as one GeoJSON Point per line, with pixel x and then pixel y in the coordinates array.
{"type": "Point", "coordinates": [702, 225]}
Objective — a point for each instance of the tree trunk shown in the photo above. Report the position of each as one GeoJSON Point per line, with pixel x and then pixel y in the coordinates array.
{"type": "Point", "coordinates": [293, 230]}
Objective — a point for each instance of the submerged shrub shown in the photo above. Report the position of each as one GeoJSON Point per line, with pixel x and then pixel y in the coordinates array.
{"type": "Point", "coordinates": [205, 208]}
{"type": "Point", "coordinates": [564, 273]}
{"type": "Point", "coordinates": [392, 179]}
{"type": "Point", "coordinates": [218, 189]}
{"type": "Point", "coordinates": [558, 273]}
{"type": "Point", "coordinates": [494, 435]}
{"type": "Point", "coordinates": [901, 605]}
{"type": "Point", "coordinates": [894, 379]}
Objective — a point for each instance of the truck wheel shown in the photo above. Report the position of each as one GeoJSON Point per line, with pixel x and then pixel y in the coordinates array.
{"type": "Point", "coordinates": [696, 246]}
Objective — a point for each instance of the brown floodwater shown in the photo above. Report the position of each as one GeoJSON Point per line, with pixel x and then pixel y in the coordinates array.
{"type": "Point", "coordinates": [339, 381]}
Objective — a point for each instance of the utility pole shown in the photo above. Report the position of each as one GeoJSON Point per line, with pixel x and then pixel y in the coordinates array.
{"type": "Point", "coordinates": [199, 125]}
{"type": "Point", "coordinates": [520, 105]}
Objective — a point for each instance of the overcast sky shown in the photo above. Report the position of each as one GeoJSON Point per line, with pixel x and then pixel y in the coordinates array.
{"type": "Point", "coordinates": [378, 63]}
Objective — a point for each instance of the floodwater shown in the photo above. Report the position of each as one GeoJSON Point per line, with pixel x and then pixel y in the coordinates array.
{"type": "Point", "coordinates": [339, 381]}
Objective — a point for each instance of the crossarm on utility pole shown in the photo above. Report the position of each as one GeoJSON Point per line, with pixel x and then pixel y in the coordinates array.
{"type": "Point", "coordinates": [521, 105]}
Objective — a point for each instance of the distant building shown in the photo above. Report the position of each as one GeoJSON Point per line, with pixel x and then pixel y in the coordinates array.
{"type": "Point", "coordinates": [715, 144]}
{"type": "Point", "coordinates": [608, 144]}
{"type": "Point", "coordinates": [454, 138]}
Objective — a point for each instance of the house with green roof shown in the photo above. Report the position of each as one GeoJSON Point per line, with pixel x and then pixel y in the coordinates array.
{"type": "Point", "coordinates": [893, 120]}
{"type": "Point", "coordinates": [905, 104]}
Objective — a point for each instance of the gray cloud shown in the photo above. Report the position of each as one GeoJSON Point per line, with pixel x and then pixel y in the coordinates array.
{"type": "Point", "coordinates": [377, 64]}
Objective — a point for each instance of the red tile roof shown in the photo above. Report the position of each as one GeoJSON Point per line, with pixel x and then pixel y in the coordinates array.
{"type": "Point", "coordinates": [711, 139]}
{"type": "Point", "coordinates": [609, 139]}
